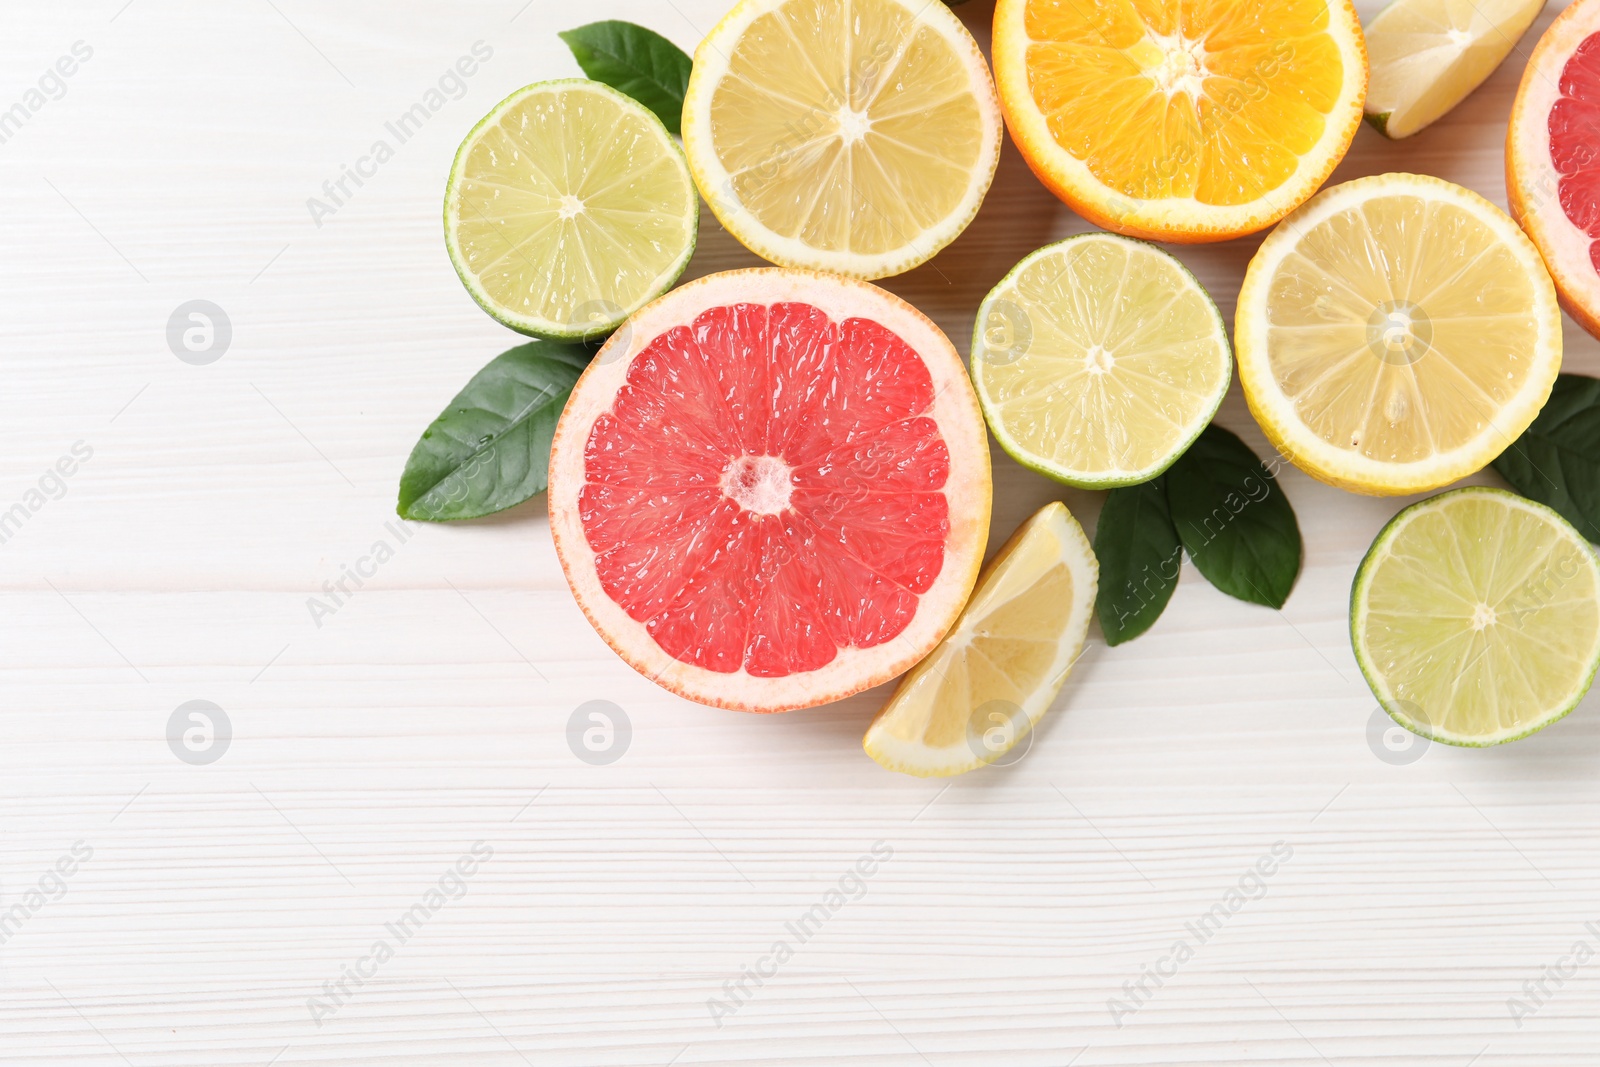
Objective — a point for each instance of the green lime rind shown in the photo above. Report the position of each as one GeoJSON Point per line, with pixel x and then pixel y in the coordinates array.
{"type": "Point", "coordinates": [1042, 465]}
{"type": "Point", "coordinates": [600, 326]}
{"type": "Point", "coordinates": [1380, 122]}
{"type": "Point", "coordinates": [1358, 592]}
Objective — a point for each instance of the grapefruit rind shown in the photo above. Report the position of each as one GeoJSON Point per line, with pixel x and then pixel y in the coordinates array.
{"type": "Point", "coordinates": [1172, 220]}
{"type": "Point", "coordinates": [711, 63]}
{"type": "Point", "coordinates": [968, 490]}
{"type": "Point", "coordinates": [1071, 547]}
{"type": "Point", "coordinates": [1532, 184]}
{"type": "Point", "coordinates": [1275, 412]}
{"type": "Point", "coordinates": [1377, 682]}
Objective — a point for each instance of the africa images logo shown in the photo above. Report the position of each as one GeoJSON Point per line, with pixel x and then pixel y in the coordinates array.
{"type": "Point", "coordinates": [850, 886]}
{"type": "Point", "coordinates": [451, 85]}
{"type": "Point", "coordinates": [449, 887]}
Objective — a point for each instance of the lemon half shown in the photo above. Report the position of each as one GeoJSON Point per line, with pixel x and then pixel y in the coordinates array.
{"type": "Point", "coordinates": [1098, 360]}
{"type": "Point", "coordinates": [1396, 333]}
{"type": "Point", "coordinates": [853, 136]}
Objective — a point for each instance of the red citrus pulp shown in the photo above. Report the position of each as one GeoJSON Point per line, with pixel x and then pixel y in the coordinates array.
{"type": "Point", "coordinates": [771, 489]}
{"type": "Point", "coordinates": [1553, 157]}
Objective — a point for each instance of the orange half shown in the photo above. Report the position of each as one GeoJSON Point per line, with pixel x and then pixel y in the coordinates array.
{"type": "Point", "coordinates": [1195, 121]}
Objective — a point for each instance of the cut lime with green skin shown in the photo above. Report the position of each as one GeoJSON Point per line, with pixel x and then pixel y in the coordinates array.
{"type": "Point", "coordinates": [1476, 617]}
{"type": "Point", "coordinates": [1098, 360]}
{"type": "Point", "coordinates": [569, 207]}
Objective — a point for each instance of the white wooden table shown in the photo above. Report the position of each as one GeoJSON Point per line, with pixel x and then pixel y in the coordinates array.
{"type": "Point", "coordinates": [214, 909]}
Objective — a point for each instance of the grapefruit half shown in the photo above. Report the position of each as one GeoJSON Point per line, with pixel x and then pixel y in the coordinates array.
{"type": "Point", "coordinates": [771, 489]}
{"type": "Point", "coordinates": [1553, 157]}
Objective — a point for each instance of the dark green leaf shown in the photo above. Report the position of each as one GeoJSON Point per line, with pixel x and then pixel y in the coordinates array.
{"type": "Point", "coordinates": [1234, 520]}
{"type": "Point", "coordinates": [490, 449]}
{"type": "Point", "coordinates": [1557, 461]}
{"type": "Point", "coordinates": [1138, 551]}
{"type": "Point", "coordinates": [636, 61]}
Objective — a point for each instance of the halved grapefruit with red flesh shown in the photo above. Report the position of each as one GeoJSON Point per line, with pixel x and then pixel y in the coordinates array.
{"type": "Point", "coordinates": [771, 489]}
{"type": "Point", "coordinates": [1553, 157]}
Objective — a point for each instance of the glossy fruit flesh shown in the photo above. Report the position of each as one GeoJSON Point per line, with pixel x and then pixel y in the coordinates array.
{"type": "Point", "coordinates": [569, 207]}
{"type": "Point", "coordinates": [1476, 617]}
{"type": "Point", "coordinates": [1575, 141]}
{"type": "Point", "coordinates": [765, 489]}
{"type": "Point", "coordinates": [1215, 101]}
{"type": "Point", "coordinates": [856, 136]}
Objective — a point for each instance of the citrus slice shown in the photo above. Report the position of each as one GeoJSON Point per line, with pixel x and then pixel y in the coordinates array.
{"type": "Point", "coordinates": [772, 490]}
{"type": "Point", "coordinates": [1098, 360]}
{"type": "Point", "coordinates": [856, 136]}
{"type": "Point", "coordinates": [993, 678]}
{"type": "Point", "coordinates": [1186, 122]}
{"type": "Point", "coordinates": [1476, 617]}
{"type": "Point", "coordinates": [569, 207]}
{"type": "Point", "coordinates": [1552, 178]}
{"type": "Point", "coordinates": [1395, 334]}
{"type": "Point", "coordinates": [1428, 55]}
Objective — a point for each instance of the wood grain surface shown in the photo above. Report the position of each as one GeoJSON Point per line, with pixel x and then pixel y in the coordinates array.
{"type": "Point", "coordinates": [212, 911]}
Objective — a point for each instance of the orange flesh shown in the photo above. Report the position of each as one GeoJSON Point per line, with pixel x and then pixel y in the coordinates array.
{"type": "Point", "coordinates": [1215, 102]}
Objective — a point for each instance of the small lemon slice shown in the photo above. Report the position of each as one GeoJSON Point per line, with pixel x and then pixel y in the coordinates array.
{"type": "Point", "coordinates": [1098, 360]}
{"type": "Point", "coordinates": [998, 671]}
{"type": "Point", "coordinates": [1428, 55]}
{"type": "Point", "coordinates": [1476, 617]}
{"type": "Point", "coordinates": [1395, 334]}
{"type": "Point", "coordinates": [569, 207]}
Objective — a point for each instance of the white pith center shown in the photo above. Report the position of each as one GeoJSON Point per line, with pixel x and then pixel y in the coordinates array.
{"type": "Point", "coordinates": [1483, 617]}
{"type": "Point", "coordinates": [571, 206]}
{"type": "Point", "coordinates": [758, 483]}
{"type": "Point", "coordinates": [1182, 67]}
{"type": "Point", "coordinates": [1459, 38]}
{"type": "Point", "coordinates": [853, 125]}
{"type": "Point", "coordinates": [1098, 360]}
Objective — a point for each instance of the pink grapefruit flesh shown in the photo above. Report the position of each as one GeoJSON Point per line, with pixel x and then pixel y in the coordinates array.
{"type": "Point", "coordinates": [771, 489]}
{"type": "Point", "coordinates": [1553, 157]}
{"type": "Point", "coordinates": [1575, 139]}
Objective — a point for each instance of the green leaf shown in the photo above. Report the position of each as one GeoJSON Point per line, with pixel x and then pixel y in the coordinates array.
{"type": "Point", "coordinates": [1234, 520]}
{"type": "Point", "coordinates": [1138, 551]}
{"type": "Point", "coordinates": [1557, 461]}
{"type": "Point", "coordinates": [636, 61]}
{"type": "Point", "coordinates": [490, 449]}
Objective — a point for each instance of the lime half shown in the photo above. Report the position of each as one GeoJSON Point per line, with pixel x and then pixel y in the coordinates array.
{"type": "Point", "coordinates": [1476, 617]}
{"type": "Point", "coordinates": [569, 208]}
{"type": "Point", "coordinates": [1098, 360]}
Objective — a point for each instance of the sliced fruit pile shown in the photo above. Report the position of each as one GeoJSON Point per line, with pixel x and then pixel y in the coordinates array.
{"type": "Point", "coordinates": [1552, 182]}
{"type": "Point", "coordinates": [773, 490]}
{"type": "Point", "coordinates": [1476, 617]}
{"type": "Point", "coordinates": [856, 136]}
{"type": "Point", "coordinates": [1396, 334]}
{"type": "Point", "coordinates": [770, 489]}
{"type": "Point", "coordinates": [1199, 121]}
{"type": "Point", "coordinates": [993, 678]}
{"type": "Point", "coordinates": [569, 207]}
{"type": "Point", "coordinates": [1098, 360]}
